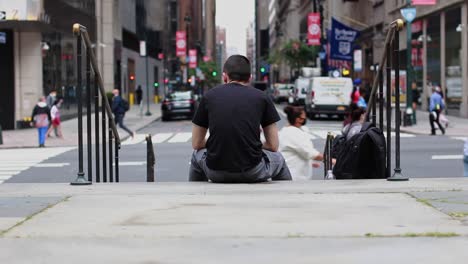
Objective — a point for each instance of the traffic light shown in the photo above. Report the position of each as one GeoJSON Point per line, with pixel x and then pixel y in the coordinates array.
{"type": "Point", "coordinates": [262, 69]}
{"type": "Point", "coordinates": [156, 84]}
{"type": "Point", "coordinates": [132, 77]}
{"type": "Point", "coordinates": [214, 74]}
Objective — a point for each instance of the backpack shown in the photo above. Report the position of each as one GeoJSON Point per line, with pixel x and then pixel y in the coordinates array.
{"type": "Point", "coordinates": [363, 156]}
{"type": "Point", "coordinates": [125, 105]}
{"type": "Point", "coordinates": [41, 120]}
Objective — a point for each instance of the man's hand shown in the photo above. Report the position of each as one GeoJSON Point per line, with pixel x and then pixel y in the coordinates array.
{"type": "Point", "coordinates": [315, 165]}
{"type": "Point", "coordinates": [271, 138]}
{"type": "Point", "coordinates": [198, 137]}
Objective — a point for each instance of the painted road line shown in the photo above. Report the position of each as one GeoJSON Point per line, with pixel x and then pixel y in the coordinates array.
{"type": "Point", "coordinates": [3, 173]}
{"type": "Point", "coordinates": [320, 133]}
{"type": "Point", "coordinates": [447, 157]}
{"type": "Point", "coordinates": [180, 138]}
{"type": "Point", "coordinates": [132, 163]}
{"type": "Point", "coordinates": [137, 139]}
{"type": "Point", "coordinates": [161, 137]}
{"type": "Point", "coordinates": [460, 138]}
{"type": "Point", "coordinates": [16, 168]}
{"type": "Point", "coordinates": [4, 178]}
{"type": "Point", "coordinates": [51, 165]}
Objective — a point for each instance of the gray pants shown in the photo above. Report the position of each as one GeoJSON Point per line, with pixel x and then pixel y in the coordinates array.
{"type": "Point", "coordinates": [273, 166]}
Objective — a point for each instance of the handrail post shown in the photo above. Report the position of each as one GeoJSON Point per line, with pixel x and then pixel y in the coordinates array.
{"type": "Point", "coordinates": [104, 140]}
{"type": "Point", "coordinates": [111, 169]}
{"type": "Point", "coordinates": [150, 159]}
{"type": "Point", "coordinates": [96, 129]}
{"type": "Point", "coordinates": [388, 99]}
{"type": "Point", "coordinates": [88, 116]}
{"type": "Point", "coordinates": [328, 157]}
{"type": "Point", "coordinates": [80, 180]}
{"type": "Point", "coordinates": [397, 175]}
{"type": "Point", "coordinates": [117, 148]}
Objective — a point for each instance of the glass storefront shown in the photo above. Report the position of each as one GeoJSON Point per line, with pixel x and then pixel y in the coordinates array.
{"type": "Point", "coordinates": [453, 51]}
{"type": "Point", "coordinates": [433, 51]}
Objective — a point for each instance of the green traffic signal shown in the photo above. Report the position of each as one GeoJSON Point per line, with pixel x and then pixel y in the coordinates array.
{"type": "Point", "coordinates": [262, 69]}
{"type": "Point", "coordinates": [214, 74]}
{"type": "Point", "coordinates": [156, 84]}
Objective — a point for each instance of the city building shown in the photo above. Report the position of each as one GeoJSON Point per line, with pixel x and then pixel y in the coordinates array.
{"type": "Point", "coordinates": [221, 50]}
{"type": "Point", "coordinates": [250, 46]}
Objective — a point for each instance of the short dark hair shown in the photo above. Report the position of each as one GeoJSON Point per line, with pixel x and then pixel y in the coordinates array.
{"type": "Point", "coordinates": [293, 112]}
{"type": "Point", "coordinates": [237, 68]}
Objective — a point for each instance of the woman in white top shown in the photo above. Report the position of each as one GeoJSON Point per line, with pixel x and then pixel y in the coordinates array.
{"type": "Point", "coordinates": [55, 116]}
{"type": "Point", "coordinates": [296, 145]}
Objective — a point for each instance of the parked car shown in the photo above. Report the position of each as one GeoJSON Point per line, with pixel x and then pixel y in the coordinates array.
{"type": "Point", "coordinates": [179, 103]}
{"type": "Point", "coordinates": [299, 93]}
{"type": "Point", "coordinates": [282, 91]}
{"type": "Point", "coordinates": [328, 95]}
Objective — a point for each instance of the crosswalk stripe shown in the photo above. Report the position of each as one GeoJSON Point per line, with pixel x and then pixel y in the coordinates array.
{"type": "Point", "coordinates": [161, 137]}
{"type": "Point", "coordinates": [51, 165]}
{"type": "Point", "coordinates": [180, 137]}
{"type": "Point", "coordinates": [447, 157]}
{"type": "Point", "coordinates": [132, 163]}
{"type": "Point", "coordinates": [3, 178]}
{"type": "Point", "coordinates": [459, 138]}
{"type": "Point", "coordinates": [132, 141]}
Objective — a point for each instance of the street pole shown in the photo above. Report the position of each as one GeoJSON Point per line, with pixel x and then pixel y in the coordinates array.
{"type": "Point", "coordinates": [409, 73]}
{"type": "Point", "coordinates": [148, 113]}
{"type": "Point", "coordinates": [187, 20]}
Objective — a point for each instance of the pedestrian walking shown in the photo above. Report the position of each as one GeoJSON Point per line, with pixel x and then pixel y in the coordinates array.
{"type": "Point", "coordinates": [41, 120]}
{"type": "Point", "coordinates": [50, 100]}
{"type": "Point", "coordinates": [296, 146]}
{"type": "Point", "coordinates": [55, 116]}
{"type": "Point", "coordinates": [356, 94]}
{"type": "Point", "coordinates": [234, 113]}
{"type": "Point", "coordinates": [436, 106]}
{"type": "Point", "coordinates": [139, 94]}
{"type": "Point", "coordinates": [119, 107]}
{"type": "Point", "coordinates": [465, 157]}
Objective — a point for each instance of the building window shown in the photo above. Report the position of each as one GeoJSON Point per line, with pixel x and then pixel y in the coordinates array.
{"type": "Point", "coordinates": [453, 53]}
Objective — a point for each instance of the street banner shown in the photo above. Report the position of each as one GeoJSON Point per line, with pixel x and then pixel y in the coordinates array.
{"type": "Point", "coordinates": [181, 43]}
{"type": "Point", "coordinates": [357, 60]}
{"type": "Point", "coordinates": [342, 41]}
{"type": "Point", "coordinates": [424, 2]}
{"type": "Point", "coordinates": [192, 58]}
{"type": "Point", "coordinates": [143, 48]}
{"type": "Point", "coordinates": [313, 29]}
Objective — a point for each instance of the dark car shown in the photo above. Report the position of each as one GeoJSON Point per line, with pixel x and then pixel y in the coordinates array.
{"type": "Point", "coordinates": [180, 103]}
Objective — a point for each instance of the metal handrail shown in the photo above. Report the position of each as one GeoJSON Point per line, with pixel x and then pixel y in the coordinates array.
{"type": "Point", "coordinates": [78, 30]}
{"type": "Point", "coordinates": [395, 26]}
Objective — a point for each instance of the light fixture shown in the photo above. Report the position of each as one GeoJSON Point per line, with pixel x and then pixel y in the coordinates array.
{"type": "Point", "coordinates": [459, 28]}
{"type": "Point", "coordinates": [421, 38]}
{"type": "Point", "coordinates": [45, 46]}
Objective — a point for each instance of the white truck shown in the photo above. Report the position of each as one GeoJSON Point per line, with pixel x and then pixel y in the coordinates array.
{"type": "Point", "coordinates": [329, 96]}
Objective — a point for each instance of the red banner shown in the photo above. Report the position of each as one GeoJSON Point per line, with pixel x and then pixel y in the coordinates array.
{"type": "Point", "coordinates": [193, 58]}
{"type": "Point", "coordinates": [313, 29]}
{"type": "Point", "coordinates": [181, 43]}
{"type": "Point", "coordinates": [424, 2]}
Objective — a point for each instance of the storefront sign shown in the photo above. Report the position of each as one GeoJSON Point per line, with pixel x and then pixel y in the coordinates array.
{"type": "Point", "coordinates": [424, 2]}
{"type": "Point", "coordinates": [409, 14]}
{"type": "Point", "coordinates": [20, 9]}
{"type": "Point", "coordinates": [357, 60]}
{"type": "Point", "coordinates": [143, 48]}
{"type": "Point", "coordinates": [342, 41]}
{"type": "Point", "coordinates": [181, 43]}
{"type": "Point", "coordinates": [193, 58]}
{"type": "Point", "coordinates": [313, 29]}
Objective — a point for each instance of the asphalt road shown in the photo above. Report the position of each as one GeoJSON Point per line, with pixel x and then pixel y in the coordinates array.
{"type": "Point", "coordinates": [422, 156]}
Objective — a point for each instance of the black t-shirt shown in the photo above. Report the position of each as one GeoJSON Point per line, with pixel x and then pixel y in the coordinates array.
{"type": "Point", "coordinates": [234, 113]}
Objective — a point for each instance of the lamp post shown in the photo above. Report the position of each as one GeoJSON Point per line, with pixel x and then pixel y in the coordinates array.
{"type": "Point", "coordinates": [409, 74]}
{"type": "Point", "coordinates": [187, 20]}
{"type": "Point", "coordinates": [148, 113]}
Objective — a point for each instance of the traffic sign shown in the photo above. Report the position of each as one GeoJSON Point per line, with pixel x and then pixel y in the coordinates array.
{"type": "Point", "coordinates": [409, 14]}
{"type": "Point", "coordinates": [2, 15]}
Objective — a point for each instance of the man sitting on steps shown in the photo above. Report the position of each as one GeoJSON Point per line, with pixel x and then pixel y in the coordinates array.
{"type": "Point", "coordinates": [233, 113]}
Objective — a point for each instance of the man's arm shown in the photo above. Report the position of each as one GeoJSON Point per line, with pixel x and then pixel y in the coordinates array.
{"type": "Point", "coordinates": [198, 137]}
{"type": "Point", "coordinates": [271, 138]}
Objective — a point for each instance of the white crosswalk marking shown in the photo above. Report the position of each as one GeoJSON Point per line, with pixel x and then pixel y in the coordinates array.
{"type": "Point", "coordinates": [180, 138]}
{"type": "Point", "coordinates": [14, 161]}
{"type": "Point", "coordinates": [132, 141]}
{"type": "Point", "coordinates": [447, 157]}
{"type": "Point", "coordinates": [161, 137]}
{"type": "Point", "coordinates": [459, 138]}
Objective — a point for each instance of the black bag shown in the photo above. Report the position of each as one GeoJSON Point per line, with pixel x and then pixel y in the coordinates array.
{"type": "Point", "coordinates": [125, 105]}
{"type": "Point", "coordinates": [363, 156]}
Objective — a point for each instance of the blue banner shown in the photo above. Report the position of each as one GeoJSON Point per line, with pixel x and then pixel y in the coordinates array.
{"type": "Point", "coordinates": [341, 41]}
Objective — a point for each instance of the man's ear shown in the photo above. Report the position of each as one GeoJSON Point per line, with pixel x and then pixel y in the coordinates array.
{"type": "Point", "coordinates": [225, 78]}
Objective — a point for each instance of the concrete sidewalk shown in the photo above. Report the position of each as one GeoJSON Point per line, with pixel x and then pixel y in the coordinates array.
{"type": "Point", "coordinates": [29, 138]}
{"type": "Point", "coordinates": [369, 221]}
{"type": "Point", "coordinates": [457, 126]}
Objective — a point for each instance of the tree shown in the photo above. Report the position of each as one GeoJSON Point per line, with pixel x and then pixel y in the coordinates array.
{"type": "Point", "coordinates": [295, 53]}
{"type": "Point", "coordinates": [211, 71]}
